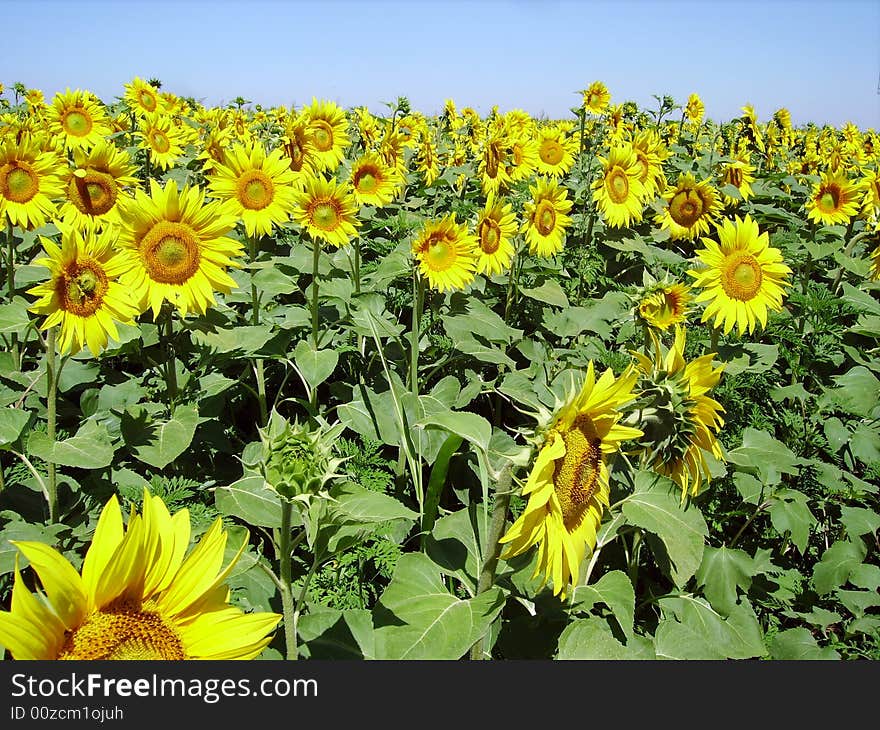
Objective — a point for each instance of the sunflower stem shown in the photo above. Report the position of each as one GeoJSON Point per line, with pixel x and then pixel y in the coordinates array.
{"type": "Point", "coordinates": [713, 340]}
{"type": "Point", "coordinates": [301, 600]}
{"type": "Point", "coordinates": [284, 550]}
{"type": "Point", "coordinates": [170, 362]}
{"type": "Point", "coordinates": [51, 394]}
{"type": "Point", "coordinates": [255, 318]}
{"type": "Point", "coordinates": [496, 530]}
{"type": "Point", "coordinates": [10, 280]}
{"type": "Point", "coordinates": [418, 301]}
{"type": "Point", "coordinates": [316, 257]}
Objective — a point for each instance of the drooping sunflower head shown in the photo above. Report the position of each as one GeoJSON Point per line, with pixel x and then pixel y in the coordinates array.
{"type": "Point", "coordinates": [678, 419]}
{"type": "Point", "coordinates": [545, 217]}
{"type": "Point", "coordinates": [30, 182]}
{"type": "Point", "coordinates": [94, 186]}
{"type": "Point", "coordinates": [327, 210]}
{"type": "Point", "coordinates": [373, 182]}
{"type": "Point", "coordinates": [138, 595]}
{"type": "Point", "coordinates": [619, 191]}
{"type": "Point", "coordinates": [495, 227]}
{"type": "Point", "coordinates": [663, 305]}
{"type": "Point", "coordinates": [446, 253]}
{"type": "Point", "coordinates": [690, 207]}
{"type": "Point", "coordinates": [835, 199]}
{"type": "Point", "coordinates": [178, 247]}
{"type": "Point", "coordinates": [82, 296]}
{"type": "Point", "coordinates": [567, 487]}
{"type": "Point", "coordinates": [328, 132]}
{"type": "Point", "coordinates": [743, 277]}
{"type": "Point", "coordinates": [596, 97]}
{"type": "Point", "coordinates": [78, 119]}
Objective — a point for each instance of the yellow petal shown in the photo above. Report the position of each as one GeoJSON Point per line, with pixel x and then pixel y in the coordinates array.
{"type": "Point", "coordinates": [62, 583]}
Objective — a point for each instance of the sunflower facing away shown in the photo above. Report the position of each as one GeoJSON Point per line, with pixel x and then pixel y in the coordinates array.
{"type": "Point", "coordinates": [30, 182]}
{"type": "Point", "coordinates": [77, 119]}
{"type": "Point", "coordinates": [618, 190]}
{"type": "Point", "coordinates": [446, 253]}
{"type": "Point", "coordinates": [138, 596]}
{"type": "Point", "coordinates": [545, 217]}
{"type": "Point", "coordinates": [83, 296]}
{"type": "Point", "coordinates": [834, 199]}
{"type": "Point", "coordinates": [568, 485]}
{"type": "Point", "coordinates": [690, 207]}
{"type": "Point", "coordinates": [495, 227]}
{"type": "Point", "coordinates": [178, 247]}
{"type": "Point", "coordinates": [743, 278]}
{"type": "Point", "coordinates": [373, 182]}
{"type": "Point", "coordinates": [678, 419]}
{"type": "Point", "coordinates": [94, 187]}
{"type": "Point", "coordinates": [327, 210]}
{"type": "Point", "coordinates": [262, 187]}
{"type": "Point", "coordinates": [664, 305]}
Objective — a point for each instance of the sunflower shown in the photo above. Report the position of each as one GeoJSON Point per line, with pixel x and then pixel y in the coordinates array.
{"type": "Point", "coordinates": [447, 253]}
{"type": "Point", "coordinates": [596, 97]}
{"type": "Point", "coordinates": [328, 132]}
{"type": "Point", "coordinates": [545, 217]}
{"type": "Point", "coordinates": [161, 139]}
{"type": "Point", "coordinates": [523, 158]}
{"type": "Point", "coordinates": [327, 211]}
{"type": "Point", "coordinates": [493, 169]}
{"type": "Point", "coordinates": [739, 174]}
{"type": "Point", "coordinates": [215, 142]}
{"type": "Point", "coordinates": [694, 110]}
{"type": "Point", "coordinates": [262, 187]}
{"type": "Point", "coordinates": [664, 305]}
{"type": "Point", "coordinates": [83, 295]}
{"type": "Point", "coordinates": [372, 181]}
{"type": "Point", "coordinates": [650, 154]}
{"type": "Point", "coordinates": [94, 187]}
{"type": "Point", "coordinates": [427, 162]}
{"type": "Point", "coordinates": [835, 199]}
{"type": "Point", "coordinates": [619, 192]}
{"type": "Point", "coordinates": [299, 146]}
{"type": "Point", "coordinates": [874, 272]}
{"type": "Point", "coordinates": [30, 182]}
{"type": "Point", "coordinates": [495, 226]}
{"type": "Point", "coordinates": [871, 185]}
{"type": "Point", "coordinates": [77, 120]}
{"type": "Point", "coordinates": [178, 247]}
{"type": "Point", "coordinates": [690, 207]}
{"type": "Point", "coordinates": [136, 596]}
{"type": "Point", "coordinates": [744, 277]}
{"type": "Point", "coordinates": [555, 151]}
{"type": "Point", "coordinates": [142, 98]}
{"type": "Point", "coordinates": [568, 484]}
{"type": "Point", "coordinates": [678, 419]}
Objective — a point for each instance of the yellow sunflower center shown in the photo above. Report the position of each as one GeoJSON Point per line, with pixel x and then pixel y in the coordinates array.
{"type": "Point", "coordinates": [93, 193]}
{"type": "Point", "coordinates": [322, 135]}
{"type": "Point", "coordinates": [124, 632]}
{"type": "Point", "coordinates": [440, 252]}
{"type": "Point", "coordinates": [686, 207]}
{"type": "Point", "coordinates": [576, 475]}
{"type": "Point", "coordinates": [77, 122]}
{"type": "Point", "coordinates": [255, 190]}
{"type": "Point", "coordinates": [617, 185]}
{"type": "Point", "coordinates": [741, 277]}
{"type": "Point", "coordinates": [490, 236]}
{"type": "Point", "coordinates": [324, 214]}
{"type": "Point", "coordinates": [18, 182]}
{"type": "Point", "coordinates": [159, 141]}
{"type": "Point", "coordinates": [545, 218]}
{"type": "Point", "coordinates": [147, 99]}
{"type": "Point", "coordinates": [170, 252]}
{"type": "Point", "coordinates": [551, 152]}
{"type": "Point", "coordinates": [81, 287]}
{"type": "Point", "coordinates": [829, 199]}
{"type": "Point", "coordinates": [366, 179]}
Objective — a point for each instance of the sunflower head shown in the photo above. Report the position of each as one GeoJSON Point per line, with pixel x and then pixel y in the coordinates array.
{"type": "Point", "coordinates": [662, 305]}
{"type": "Point", "coordinates": [596, 97]}
{"type": "Point", "coordinates": [446, 253]}
{"type": "Point", "coordinates": [327, 210]}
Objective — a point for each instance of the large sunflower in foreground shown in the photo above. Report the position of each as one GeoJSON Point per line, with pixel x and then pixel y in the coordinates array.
{"type": "Point", "coordinates": [495, 227]}
{"type": "Point", "coordinates": [262, 187]}
{"type": "Point", "coordinates": [568, 484]}
{"type": "Point", "coordinates": [690, 207]}
{"type": "Point", "coordinates": [77, 119]}
{"type": "Point", "coordinates": [545, 217]}
{"type": "Point", "coordinates": [137, 597]}
{"type": "Point", "coordinates": [327, 211]}
{"type": "Point", "coordinates": [83, 296]}
{"type": "Point", "coordinates": [743, 277]}
{"type": "Point", "coordinates": [677, 416]}
{"type": "Point", "coordinates": [94, 187]}
{"type": "Point", "coordinates": [30, 182]}
{"type": "Point", "coordinates": [447, 254]}
{"type": "Point", "coordinates": [835, 199]}
{"type": "Point", "coordinates": [618, 191]}
{"type": "Point", "coordinates": [178, 247]}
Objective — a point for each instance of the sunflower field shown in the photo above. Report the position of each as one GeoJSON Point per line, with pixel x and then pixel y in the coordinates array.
{"type": "Point", "coordinates": [314, 382]}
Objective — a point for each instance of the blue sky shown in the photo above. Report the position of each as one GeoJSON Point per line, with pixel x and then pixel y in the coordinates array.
{"type": "Point", "coordinates": [820, 59]}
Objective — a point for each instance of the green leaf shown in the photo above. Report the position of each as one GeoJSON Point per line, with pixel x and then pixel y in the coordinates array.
{"type": "Point", "coordinates": [251, 500]}
{"type": "Point", "coordinates": [91, 448]}
{"type": "Point", "coordinates": [437, 480]}
{"type": "Point", "coordinates": [315, 365]}
{"type": "Point", "coordinates": [692, 629]}
{"type": "Point", "coordinates": [14, 317]}
{"type": "Point", "coordinates": [857, 392]}
{"type": "Point", "coordinates": [591, 638]}
{"type": "Point", "coordinates": [329, 633]}
{"type": "Point", "coordinates": [858, 602]}
{"type": "Point", "coordinates": [859, 521]}
{"type": "Point", "coordinates": [655, 505]}
{"type": "Point", "coordinates": [762, 453]}
{"type": "Point", "coordinates": [158, 443]}
{"type": "Point", "coordinates": [838, 561]}
{"type": "Point", "coordinates": [837, 434]}
{"type": "Point", "coordinates": [357, 504]}
{"type": "Point", "coordinates": [12, 423]}
{"type": "Point", "coordinates": [799, 644]}
{"type": "Point", "coordinates": [23, 531]}
{"type": "Point", "coordinates": [244, 339]}
{"type": "Point", "coordinates": [417, 617]}
{"type": "Point", "coordinates": [722, 571]}
{"type": "Point", "coordinates": [470, 426]}
{"type": "Point", "coordinates": [615, 590]}
{"type": "Point", "coordinates": [371, 415]}
{"type": "Point", "coordinates": [865, 444]}
{"type": "Point", "coordinates": [550, 292]}
{"type": "Point", "coordinates": [597, 318]}
{"type": "Point", "coordinates": [866, 575]}
{"type": "Point", "coordinates": [752, 357]}
{"type": "Point", "coordinates": [789, 513]}
{"type": "Point", "coordinates": [455, 545]}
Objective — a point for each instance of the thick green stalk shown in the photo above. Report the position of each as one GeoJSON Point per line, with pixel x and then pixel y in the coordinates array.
{"type": "Point", "coordinates": [258, 362]}
{"type": "Point", "coordinates": [496, 530]}
{"type": "Point", "coordinates": [316, 257]}
{"type": "Point", "coordinates": [713, 343]}
{"type": "Point", "coordinates": [10, 280]}
{"type": "Point", "coordinates": [51, 395]}
{"type": "Point", "coordinates": [284, 548]}
{"type": "Point", "coordinates": [300, 601]}
{"type": "Point", "coordinates": [170, 362]}
{"type": "Point", "coordinates": [418, 301]}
